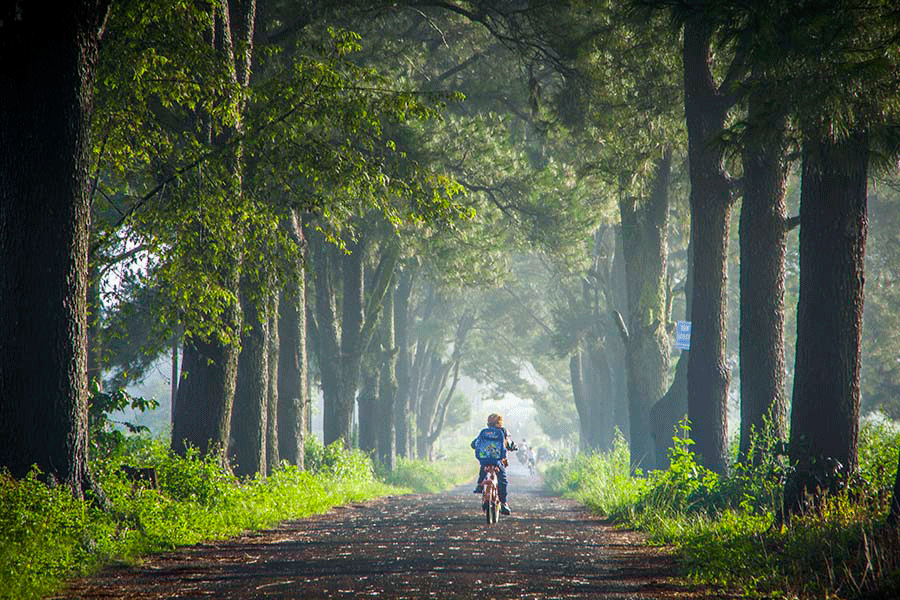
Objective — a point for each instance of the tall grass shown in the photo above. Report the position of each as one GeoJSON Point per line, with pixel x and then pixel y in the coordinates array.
{"type": "Point", "coordinates": [428, 477]}
{"type": "Point", "coordinates": [46, 535]}
{"type": "Point", "coordinates": [726, 528]}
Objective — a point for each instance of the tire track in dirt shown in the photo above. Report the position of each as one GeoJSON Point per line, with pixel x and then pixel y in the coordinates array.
{"type": "Point", "coordinates": [413, 547]}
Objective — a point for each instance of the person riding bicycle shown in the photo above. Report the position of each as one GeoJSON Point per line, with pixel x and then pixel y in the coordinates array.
{"type": "Point", "coordinates": [495, 430]}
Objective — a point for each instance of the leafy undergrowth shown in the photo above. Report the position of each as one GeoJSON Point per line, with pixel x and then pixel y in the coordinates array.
{"type": "Point", "coordinates": [725, 528]}
{"type": "Point", "coordinates": [46, 535]}
{"type": "Point", "coordinates": [430, 477]}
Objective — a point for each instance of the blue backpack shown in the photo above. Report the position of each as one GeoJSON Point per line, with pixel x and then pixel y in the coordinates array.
{"type": "Point", "coordinates": [490, 446]}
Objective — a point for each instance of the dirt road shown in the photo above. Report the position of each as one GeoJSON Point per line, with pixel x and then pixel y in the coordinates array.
{"type": "Point", "coordinates": [413, 547]}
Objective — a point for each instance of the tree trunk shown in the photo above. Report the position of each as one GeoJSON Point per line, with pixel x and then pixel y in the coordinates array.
{"type": "Point", "coordinates": [273, 457]}
{"type": "Point", "coordinates": [833, 227]}
{"type": "Point", "coordinates": [644, 231]}
{"type": "Point", "coordinates": [403, 412]}
{"type": "Point", "coordinates": [94, 336]}
{"type": "Point", "coordinates": [202, 415]}
{"type": "Point", "coordinates": [205, 399]}
{"type": "Point", "coordinates": [673, 406]}
{"type": "Point", "coordinates": [387, 391]}
{"type": "Point", "coordinates": [292, 360]}
{"type": "Point", "coordinates": [596, 376]}
{"type": "Point", "coordinates": [249, 421]}
{"type": "Point", "coordinates": [618, 300]}
{"type": "Point", "coordinates": [763, 239]}
{"type": "Point", "coordinates": [328, 346]}
{"type": "Point", "coordinates": [45, 97]}
{"type": "Point", "coordinates": [352, 321]}
{"type": "Point", "coordinates": [710, 200]}
{"type": "Point", "coordinates": [367, 402]}
{"type": "Point", "coordinates": [576, 372]}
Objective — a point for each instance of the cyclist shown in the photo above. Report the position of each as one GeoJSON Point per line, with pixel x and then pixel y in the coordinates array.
{"type": "Point", "coordinates": [495, 430]}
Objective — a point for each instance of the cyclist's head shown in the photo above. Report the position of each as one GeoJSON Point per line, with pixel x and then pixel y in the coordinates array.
{"type": "Point", "coordinates": [495, 420]}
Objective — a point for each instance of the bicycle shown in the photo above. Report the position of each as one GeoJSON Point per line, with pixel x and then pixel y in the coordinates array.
{"type": "Point", "coordinates": [490, 495]}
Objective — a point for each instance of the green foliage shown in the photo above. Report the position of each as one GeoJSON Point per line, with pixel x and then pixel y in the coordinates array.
{"type": "Point", "coordinates": [601, 480]}
{"type": "Point", "coordinates": [47, 535]}
{"type": "Point", "coordinates": [686, 486]}
{"type": "Point", "coordinates": [725, 528]}
{"type": "Point", "coordinates": [105, 439]}
{"type": "Point", "coordinates": [335, 461]}
{"type": "Point", "coordinates": [424, 477]}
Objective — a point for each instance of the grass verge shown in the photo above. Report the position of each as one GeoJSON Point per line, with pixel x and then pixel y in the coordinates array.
{"type": "Point", "coordinates": [725, 528]}
{"type": "Point", "coordinates": [48, 536]}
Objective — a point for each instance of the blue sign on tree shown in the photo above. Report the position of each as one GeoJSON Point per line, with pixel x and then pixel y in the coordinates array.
{"type": "Point", "coordinates": [683, 335]}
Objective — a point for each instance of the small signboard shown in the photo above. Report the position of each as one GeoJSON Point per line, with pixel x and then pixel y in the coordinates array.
{"type": "Point", "coordinates": [683, 335]}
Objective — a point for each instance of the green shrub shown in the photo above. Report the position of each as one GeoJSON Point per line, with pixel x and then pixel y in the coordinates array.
{"type": "Point", "coordinates": [47, 535]}
{"type": "Point", "coordinates": [686, 486]}
{"type": "Point", "coordinates": [337, 461]}
{"type": "Point", "coordinates": [425, 477]}
{"type": "Point", "coordinates": [725, 528]}
{"type": "Point", "coordinates": [601, 480]}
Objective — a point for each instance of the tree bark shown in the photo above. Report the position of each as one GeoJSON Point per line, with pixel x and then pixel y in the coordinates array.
{"type": "Point", "coordinates": [710, 200]}
{"type": "Point", "coordinates": [352, 321]}
{"type": "Point", "coordinates": [328, 346]}
{"type": "Point", "coordinates": [673, 406]}
{"type": "Point", "coordinates": [403, 412]}
{"type": "Point", "coordinates": [45, 100]}
{"type": "Point", "coordinates": [249, 421]}
{"type": "Point", "coordinates": [367, 402]}
{"type": "Point", "coordinates": [763, 239]}
{"type": "Point", "coordinates": [202, 416]}
{"type": "Point", "coordinates": [292, 359]}
{"type": "Point", "coordinates": [576, 373]}
{"type": "Point", "coordinates": [273, 457]}
{"type": "Point", "coordinates": [644, 231]}
{"type": "Point", "coordinates": [833, 228]}
{"type": "Point", "coordinates": [596, 377]}
{"type": "Point", "coordinates": [387, 391]}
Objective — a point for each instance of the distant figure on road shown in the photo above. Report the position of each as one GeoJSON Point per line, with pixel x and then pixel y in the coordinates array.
{"type": "Point", "coordinates": [490, 449]}
{"type": "Point", "coordinates": [526, 457]}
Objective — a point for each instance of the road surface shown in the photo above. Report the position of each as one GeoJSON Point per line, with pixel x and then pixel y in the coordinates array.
{"type": "Point", "coordinates": [414, 547]}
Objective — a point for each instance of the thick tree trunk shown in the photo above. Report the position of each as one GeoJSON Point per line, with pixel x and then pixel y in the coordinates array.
{"type": "Point", "coordinates": [833, 227]}
{"type": "Point", "coordinates": [45, 97]}
{"type": "Point", "coordinates": [615, 347]}
{"type": "Point", "coordinates": [710, 200]}
{"type": "Point", "coordinates": [328, 346]}
{"type": "Point", "coordinates": [403, 412]}
{"type": "Point", "coordinates": [205, 399]}
{"type": "Point", "coordinates": [644, 231]}
{"type": "Point", "coordinates": [763, 239]}
{"type": "Point", "coordinates": [292, 360]}
{"type": "Point", "coordinates": [249, 420]}
{"type": "Point", "coordinates": [352, 320]}
{"type": "Point", "coordinates": [387, 390]}
{"type": "Point", "coordinates": [576, 373]}
{"type": "Point", "coordinates": [273, 457]}
{"type": "Point", "coordinates": [340, 361]}
{"type": "Point", "coordinates": [367, 402]}
{"type": "Point", "coordinates": [94, 337]}
{"type": "Point", "coordinates": [596, 376]}
{"type": "Point", "coordinates": [673, 406]}
{"type": "Point", "coordinates": [203, 407]}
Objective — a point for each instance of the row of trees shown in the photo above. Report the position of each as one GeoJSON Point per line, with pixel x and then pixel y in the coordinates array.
{"type": "Point", "coordinates": [260, 189]}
